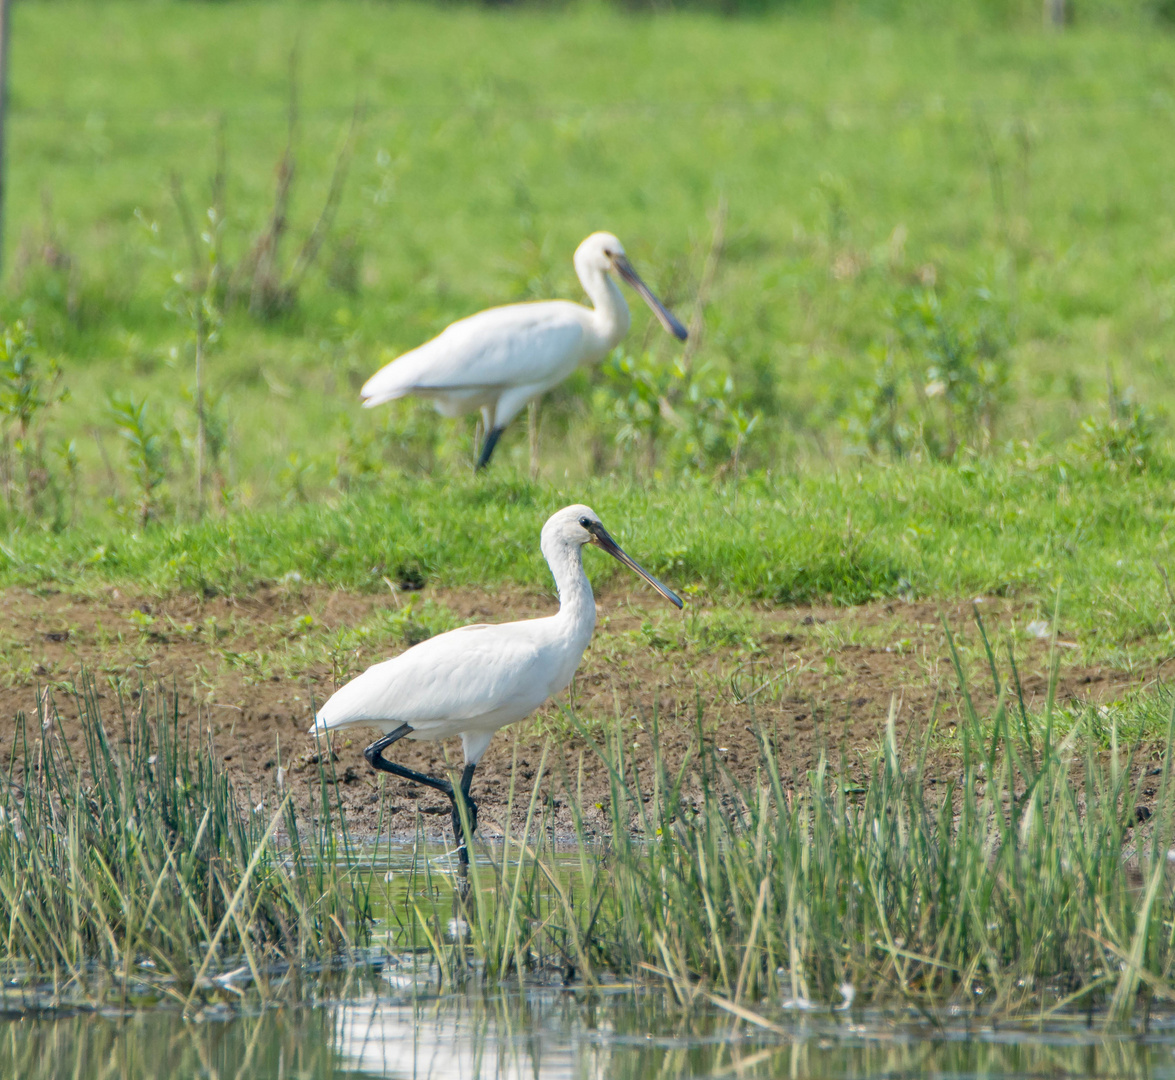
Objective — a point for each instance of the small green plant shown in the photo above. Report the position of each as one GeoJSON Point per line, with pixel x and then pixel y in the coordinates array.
{"type": "Point", "coordinates": [145, 453]}
{"type": "Point", "coordinates": [142, 621]}
{"type": "Point", "coordinates": [960, 354]}
{"type": "Point", "coordinates": [941, 382]}
{"type": "Point", "coordinates": [673, 413]}
{"type": "Point", "coordinates": [46, 273]}
{"type": "Point", "coordinates": [67, 454]}
{"type": "Point", "coordinates": [28, 387]}
{"type": "Point", "coordinates": [196, 297]}
{"type": "Point", "coordinates": [360, 458]}
{"type": "Point", "coordinates": [741, 425]}
{"type": "Point", "coordinates": [879, 419]}
{"type": "Point", "coordinates": [1124, 439]}
{"type": "Point", "coordinates": [412, 626]}
{"type": "Point", "coordinates": [295, 478]}
{"type": "Point", "coordinates": [412, 438]}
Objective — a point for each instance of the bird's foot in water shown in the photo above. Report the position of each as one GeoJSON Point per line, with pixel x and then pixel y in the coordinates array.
{"type": "Point", "coordinates": [464, 838]}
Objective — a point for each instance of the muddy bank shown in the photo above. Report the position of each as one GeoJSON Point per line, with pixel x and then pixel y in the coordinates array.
{"type": "Point", "coordinates": [248, 670]}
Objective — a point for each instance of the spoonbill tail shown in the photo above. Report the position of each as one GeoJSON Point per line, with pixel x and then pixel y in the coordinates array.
{"type": "Point", "coordinates": [499, 360]}
{"type": "Point", "coordinates": [474, 680]}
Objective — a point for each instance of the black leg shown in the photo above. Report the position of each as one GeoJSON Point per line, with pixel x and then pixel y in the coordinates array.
{"type": "Point", "coordinates": [487, 447]}
{"type": "Point", "coordinates": [375, 758]}
{"type": "Point", "coordinates": [470, 812]}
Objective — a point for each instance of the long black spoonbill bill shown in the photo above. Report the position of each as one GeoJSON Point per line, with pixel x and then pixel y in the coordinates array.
{"type": "Point", "coordinates": [474, 680]}
{"type": "Point", "coordinates": [501, 359]}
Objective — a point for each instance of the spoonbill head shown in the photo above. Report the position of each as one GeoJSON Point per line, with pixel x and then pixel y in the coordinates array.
{"type": "Point", "coordinates": [477, 679]}
{"type": "Point", "coordinates": [501, 359]}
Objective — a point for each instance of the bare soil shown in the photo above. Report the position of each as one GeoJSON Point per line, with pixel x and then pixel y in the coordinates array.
{"type": "Point", "coordinates": [821, 679]}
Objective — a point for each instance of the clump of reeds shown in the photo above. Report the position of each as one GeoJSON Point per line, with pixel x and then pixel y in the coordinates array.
{"type": "Point", "coordinates": [1017, 876]}
{"type": "Point", "coordinates": [134, 867]}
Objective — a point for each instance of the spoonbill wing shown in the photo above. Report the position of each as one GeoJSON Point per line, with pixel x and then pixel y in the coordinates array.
{"type": "Point", "coordinates": [517, 345]}
{"type": "Point", "coordinates": [457, 677]}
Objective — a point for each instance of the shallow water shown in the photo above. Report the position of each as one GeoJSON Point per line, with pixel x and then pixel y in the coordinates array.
{"type": "Point", "coordinates": [550, 1036]}
{"type": "Point", "coordinates": [389, 1021]}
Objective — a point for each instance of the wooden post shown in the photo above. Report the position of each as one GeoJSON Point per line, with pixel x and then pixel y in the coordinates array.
{"type": "Point", "coordinates": [4, 35]}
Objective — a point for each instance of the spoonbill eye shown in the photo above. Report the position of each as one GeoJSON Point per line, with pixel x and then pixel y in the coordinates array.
{"type": "Point", "coordinates": [586, 522]}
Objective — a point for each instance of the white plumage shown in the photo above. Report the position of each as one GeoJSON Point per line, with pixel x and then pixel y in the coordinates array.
{"type": "Point", "coordinates": [475, 680]}
{"type": "Point", "coordinates": [499, 360]}
{"type": "Point", "coordinates": [468, 682]}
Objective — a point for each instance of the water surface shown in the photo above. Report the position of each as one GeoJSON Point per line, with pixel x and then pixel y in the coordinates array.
{"type": "Point", "coordinates": [389, 1020]}
{"type": "Point", "coordinates": [552, 1035]}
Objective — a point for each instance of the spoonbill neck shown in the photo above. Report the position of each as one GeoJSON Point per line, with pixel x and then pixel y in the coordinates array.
{"type": "Point", "coordinates": [577, 604]}
{"type": "Point", "coordinates": [610, 311]}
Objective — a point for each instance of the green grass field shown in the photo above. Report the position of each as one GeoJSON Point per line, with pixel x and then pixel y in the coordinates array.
{"type": "Point", "coordinates": [860, 162]}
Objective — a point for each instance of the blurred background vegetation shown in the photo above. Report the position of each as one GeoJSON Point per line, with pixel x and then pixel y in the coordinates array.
{"type": "Point", "coordinates": [904, 232]}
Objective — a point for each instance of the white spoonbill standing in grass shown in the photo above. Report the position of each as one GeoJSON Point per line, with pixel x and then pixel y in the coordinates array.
{"type": "Point", "coordinates": [499, 360]}
{"type": "Point", "coordinates": [474, 680]}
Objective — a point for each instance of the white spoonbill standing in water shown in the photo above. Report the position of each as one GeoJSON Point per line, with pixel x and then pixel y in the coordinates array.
{"type": "Point", "coordinates": [499, 360]}
{"type": "Point", "coordinates": [474, 680]}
